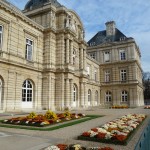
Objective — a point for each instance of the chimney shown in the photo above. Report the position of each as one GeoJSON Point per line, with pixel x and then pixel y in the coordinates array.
{"type": "Point", "coordinates": [110, 28]}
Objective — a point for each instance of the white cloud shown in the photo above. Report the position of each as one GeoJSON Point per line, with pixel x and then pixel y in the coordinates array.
{"type": "Point", "coordinates": [131, 16]}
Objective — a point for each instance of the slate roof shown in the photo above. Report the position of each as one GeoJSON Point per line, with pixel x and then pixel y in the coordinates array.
{"type": "Point", "coordinates": [39, 3]}
{"type": "Point", "coordinates": [101, 38]}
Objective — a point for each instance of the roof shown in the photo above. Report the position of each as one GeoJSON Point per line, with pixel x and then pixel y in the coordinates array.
{"type": "Point", "coordinates": [101, 38]}
{"type": "Point", "coordinates": [32, 4]}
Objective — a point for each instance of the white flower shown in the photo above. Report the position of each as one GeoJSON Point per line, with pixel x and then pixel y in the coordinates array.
{"type": "Point", "coordinates": [42, 123]}
{"type": "Point", "coordinates": [108, 135]}
{"type": "Point", "coordinates": [93, 134]}
{"type": "Point", "coordinates": [101, 130]}
{"type": "Point", "coordinates": [5, 120]}
{"type": "Point", "coordinates": [27, 122]}
{"type": "Point", "coordinates": [52, 148]}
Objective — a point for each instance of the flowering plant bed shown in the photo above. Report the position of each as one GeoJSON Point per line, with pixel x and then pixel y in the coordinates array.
{"type": "Point", "coordinates": [41, 120]}
{"type": "Point", "coordinates": [119, 107]}
{"type": "Point", "coordinates": [147, 107]}
{"type": "Point", "coordinates": [74, 147]}
{"type": "Point", "coordinates": [118, 131]}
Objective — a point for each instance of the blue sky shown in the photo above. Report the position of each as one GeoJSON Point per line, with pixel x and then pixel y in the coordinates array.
{"type": "Point", "coordinates": [131, 17]}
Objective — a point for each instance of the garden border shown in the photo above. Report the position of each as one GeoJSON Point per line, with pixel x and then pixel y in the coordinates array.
{"type": "Point", "coordinates": [124, 143]}
{"type": "Point", "coordinates": [55, 126]}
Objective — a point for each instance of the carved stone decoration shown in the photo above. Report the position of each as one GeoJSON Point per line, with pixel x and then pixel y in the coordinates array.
{"type": "Point", "coordinates": [52, 22]}
{"type": "Point", "coordinates": [67, 22]}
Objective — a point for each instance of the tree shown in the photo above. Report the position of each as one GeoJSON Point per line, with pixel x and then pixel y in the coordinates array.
{"type": "Point", "coordinates": [146, 83]}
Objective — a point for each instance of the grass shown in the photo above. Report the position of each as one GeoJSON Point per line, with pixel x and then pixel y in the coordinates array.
{"type": "Point", "coordinates": [87, 118]}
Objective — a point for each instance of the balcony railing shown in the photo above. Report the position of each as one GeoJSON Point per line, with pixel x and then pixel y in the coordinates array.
{"type": "Point", "coordinates": [120, 82]}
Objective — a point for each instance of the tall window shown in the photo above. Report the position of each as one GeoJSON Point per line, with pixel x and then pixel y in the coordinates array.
{"type": "Point", "coordinates": [108, 97]}
{"type": "Point", "coordinates": [124, 96]}
{"type": "Point", "coordinates": [88, 70]}
{"type": "Point", "coordinates": [107, 76]}
{"type": "Point", "coordinates": [106, 56]}
{"type": "Point", "coordinates": [27, 91]}
{"type": "Point", "coordinates": [1, 34]}
{"type": "Point", "coordinates": [123, 74]}
{"type": "Point", "coordinates": [89, 95]}
{"type": "Point", "coordinates": [29, 49]}
{"type": "Point", "coordinates": [74, 93]}
{"type": "Point", "coordinates": [122, 55]}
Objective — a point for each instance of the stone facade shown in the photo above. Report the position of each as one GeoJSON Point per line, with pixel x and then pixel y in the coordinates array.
{"type": "Point", "coordinates": [44, 62]}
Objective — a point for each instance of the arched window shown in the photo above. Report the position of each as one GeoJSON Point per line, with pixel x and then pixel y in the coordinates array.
{"type": "Point", "coordinates": [96, 97]}
{"type": "Point", "coordinates": [124, 96]}
{"type": "Point", "coordinates": [89, 96]}
{"type": "Point", "coordinates": [27, 91]}
{"type": "Point", "coordinates": [108, 97]}
{"type": "Point", "coordinates": [74, 93]}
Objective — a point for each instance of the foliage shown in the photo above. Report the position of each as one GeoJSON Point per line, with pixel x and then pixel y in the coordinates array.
{"type": "Point", "coordinates": [51, 115]}
{"type": "Point", "coordinates": [32, 115]}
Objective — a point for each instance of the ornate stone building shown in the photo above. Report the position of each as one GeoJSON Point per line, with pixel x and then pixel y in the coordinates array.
{"type": "Point", "coordinates": [120, 67]}
{"type": "Point", "coordinates": [44, 62]}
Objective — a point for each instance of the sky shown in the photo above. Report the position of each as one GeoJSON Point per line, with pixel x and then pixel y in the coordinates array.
{"type": "Point", "coordinates": [132, 17]}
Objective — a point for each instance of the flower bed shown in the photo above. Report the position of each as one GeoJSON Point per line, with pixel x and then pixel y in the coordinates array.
{"type": "Point", "coordinates": [117, 131]}
{"type": "Point", "coordinates": [74, 147]}
{"type": "Point", "coordinates": [147, 107]}
{"type": "Point", "coordinates": [119, 107]}
{"type": "Point", "coordinates": [41, 120]}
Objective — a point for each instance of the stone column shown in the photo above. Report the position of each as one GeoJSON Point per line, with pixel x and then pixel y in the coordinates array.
{"type": "Point", "coordinates": [82, 94]}
{"type": "Point", "coordinates": [71, 52]}
{"type": "Point", "coordinates": [67, 101]}
{"type": "Point", "coordinates": [67, 51]}
{"type": "Point", "coordinates": [71, 92]}
{"type": "Point", "coordinates": [81, 58]}
{"type": "Point", "coordinates": [85, 96]}
{"type": "Point", "coordinates": [84, 59]}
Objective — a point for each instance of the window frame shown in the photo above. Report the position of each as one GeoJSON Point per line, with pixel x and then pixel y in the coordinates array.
{"type": "Point", "coordinates": [89, 95]}
{"type": "Point", "coordinates": [27, 92]}
{"type": "Point", "coordinates": [123, 75]}
{"type": "Point", "coordinates": [74, 93]}
{"type": "Point", "coordinates": [107, 74]}
{"type": "Point", "coordinates": [27, 50]}
{"type": "Point", "coordinates": [122, 54]}
{"type": "Point", "coordinates": [108, 97]}
{"type": "Point", "coordinates": [124, 96]}
{"type": "Point", "coordinates": [107, 55]}
{"type": "Point", "coordinates": [1, 38]}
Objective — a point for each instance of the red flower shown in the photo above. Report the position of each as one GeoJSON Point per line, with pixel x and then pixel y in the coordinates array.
{"type": "Point", "coordinates": [101, 135]}
{"type": "Point", "coordinates": [62, 146]}
{"type": "Point", "coordinates": [95, 130]}
{"type": "Point", "coordinates": [87, 134]}
{"type": "Point", "coordinates": [121, 137]}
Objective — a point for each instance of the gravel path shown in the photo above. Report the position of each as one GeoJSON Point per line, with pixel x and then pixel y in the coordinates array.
{"type": "Point", "coordinates": [69, 134]}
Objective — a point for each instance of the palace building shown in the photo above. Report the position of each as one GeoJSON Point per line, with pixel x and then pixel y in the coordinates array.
{"type": "Point", "coordinates": [45, 63]}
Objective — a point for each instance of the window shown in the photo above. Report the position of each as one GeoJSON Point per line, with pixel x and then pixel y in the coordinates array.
{"type": "Point", "coordinates": [93, 55]}
{"type": "Point", "coordinates": [27, 91]}
{"type": "Point", "coordinates": [95, 75]}
{"type": "Point", "coordinates": [1, 35]}
{"type": "Point", "coordinates": [88, 70]}
{"type": "Point", "coordinates": [124, 96]}
{"type": "Point", "coordinates": [89, 95]}
{"type": "Point", "coordinates": [122, 55]}
{"type": "Point", "coordinates": [123, 75]}
{"type": "Point", "coordinates": [108, 96]}
{"type": "Point", "coordinates": [74, 93]}
{"type": "Point", "coordinates": [107, 76]}
{"type": "Point", "coordinates": [107, 56]}
{"type": "Point", "coordinates": [29, 49]}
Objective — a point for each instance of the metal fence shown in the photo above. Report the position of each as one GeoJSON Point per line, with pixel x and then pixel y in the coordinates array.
{"type": "Point", "coordinates": [144, 141]}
